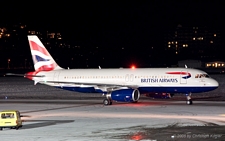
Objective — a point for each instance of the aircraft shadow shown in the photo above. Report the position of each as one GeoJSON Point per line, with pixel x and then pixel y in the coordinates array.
{"type": "Point", "coordinates": [44, 123]}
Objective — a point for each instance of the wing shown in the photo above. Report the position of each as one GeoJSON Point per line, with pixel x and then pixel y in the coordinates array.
{"type": "Point", "coordinates": [109, 85]}
{"type": "Point", "coordinates": [94, 84]}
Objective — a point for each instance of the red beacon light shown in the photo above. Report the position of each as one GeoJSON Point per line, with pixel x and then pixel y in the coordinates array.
{"type": "Point", "coordinates": [133, 67]}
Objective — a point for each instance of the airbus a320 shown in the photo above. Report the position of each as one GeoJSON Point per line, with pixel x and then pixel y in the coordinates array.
{"type": "Point", "coordinates": [122, 85]}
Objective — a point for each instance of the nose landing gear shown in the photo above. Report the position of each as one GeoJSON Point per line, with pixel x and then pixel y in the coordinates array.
{"type": "Point", "coordinates": [189, 100]}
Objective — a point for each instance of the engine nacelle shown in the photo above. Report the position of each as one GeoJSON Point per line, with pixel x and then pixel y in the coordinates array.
{"type": "Point", "coordinates": [125, 95]}
{"type": "Point", "coordinates": [159, 95]}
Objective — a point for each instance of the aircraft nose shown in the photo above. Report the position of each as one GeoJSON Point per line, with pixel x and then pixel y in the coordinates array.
{"type": "Point", "coordinates": [214, 83]}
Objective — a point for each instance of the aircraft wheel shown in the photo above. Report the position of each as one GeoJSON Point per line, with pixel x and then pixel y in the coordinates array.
{"type": "Point", "coordinates": [189, 102]}
{"type": "Point", "coordinates": [107, 102]}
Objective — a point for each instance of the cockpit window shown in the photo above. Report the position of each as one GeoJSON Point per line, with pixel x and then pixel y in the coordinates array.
{"type": "Point", "coordinates": [202, 76]}
{"type": "Point", "coordinates": [197, 75]}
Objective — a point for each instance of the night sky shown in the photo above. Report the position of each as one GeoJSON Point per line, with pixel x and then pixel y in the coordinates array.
{"type": "Point", "coordinates": [134, 25]}
{"type": "Point", "coordinates": [115, 21]}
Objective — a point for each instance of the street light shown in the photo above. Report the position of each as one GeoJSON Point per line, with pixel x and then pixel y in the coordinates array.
{"type": "Point", "coordinates": [8, 63]}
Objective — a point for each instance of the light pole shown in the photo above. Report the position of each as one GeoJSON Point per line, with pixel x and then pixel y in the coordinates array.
{"type": "Point", "coordinates": [8, 63]}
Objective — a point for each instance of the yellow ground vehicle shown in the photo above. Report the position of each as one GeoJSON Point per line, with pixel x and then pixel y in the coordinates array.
{"type": "Point", "coordinates": [10, 119]}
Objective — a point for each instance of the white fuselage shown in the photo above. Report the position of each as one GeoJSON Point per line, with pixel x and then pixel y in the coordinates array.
{"type": "Point", "coordinates": [145, 79]}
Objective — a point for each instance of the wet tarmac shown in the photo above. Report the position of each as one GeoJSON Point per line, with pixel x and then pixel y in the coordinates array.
{"type": "Point", "coordinates": [52, 114]}
{"type": "Point", "coordinates": [90, 120]}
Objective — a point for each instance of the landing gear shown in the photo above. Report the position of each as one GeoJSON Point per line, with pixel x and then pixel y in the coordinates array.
{"type": "Point", "coordinates": [189, 100]}
{"type": "Point", "coordinates": [107, 102]}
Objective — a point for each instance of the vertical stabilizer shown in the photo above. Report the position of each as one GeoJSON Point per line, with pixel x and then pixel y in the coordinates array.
{"type": "Point", "coordinates": [42, 60]}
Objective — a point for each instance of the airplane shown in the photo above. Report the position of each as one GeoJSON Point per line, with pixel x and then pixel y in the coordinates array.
{"type": "Point", "coordinates": [122, 84]}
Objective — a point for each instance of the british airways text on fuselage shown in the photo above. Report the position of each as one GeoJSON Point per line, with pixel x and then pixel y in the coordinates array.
{"type": "Point", "coordinates": [161, 80]}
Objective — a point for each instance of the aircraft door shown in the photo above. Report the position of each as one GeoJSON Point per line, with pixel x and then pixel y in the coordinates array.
{"type": "Point", "coordinates": [183, 77]}
{"type": "Point", "coordinates": [131, 78]}
{"type": "Point", "coordinates": [127, 78]}
{"type": "Point", "coordinates": [56, 76]}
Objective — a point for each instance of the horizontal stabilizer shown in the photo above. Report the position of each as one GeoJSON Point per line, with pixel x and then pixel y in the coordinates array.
{"type": "Point", "coordinates": [24, 75]}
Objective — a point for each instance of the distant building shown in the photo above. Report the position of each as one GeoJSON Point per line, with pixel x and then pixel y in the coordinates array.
{"type": "Point", "coordinates": [54, 35]}
{"type": "Point", "coordinates": [201, 43]}
{"type": "Point", "coordinates": [190, 63]}
{"type": "Point", "coordinates": [215, 64]}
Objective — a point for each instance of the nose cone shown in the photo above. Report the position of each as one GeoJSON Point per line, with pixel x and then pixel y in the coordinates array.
{"type": "Point", "coordinates": [214, 83]}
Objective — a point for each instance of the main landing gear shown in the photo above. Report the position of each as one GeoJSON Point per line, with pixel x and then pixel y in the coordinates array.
{"type": "Point", "coordinates": [107, 100]}
{"type": "Point", "coordinates": [189, 100]}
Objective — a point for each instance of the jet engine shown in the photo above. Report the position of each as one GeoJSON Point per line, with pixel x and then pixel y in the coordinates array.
{"type": "Point", "coordinates": [125, 95]}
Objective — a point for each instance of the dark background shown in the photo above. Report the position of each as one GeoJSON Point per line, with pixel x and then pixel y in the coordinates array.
{"type": "Point", "coordinates": [125, 32]}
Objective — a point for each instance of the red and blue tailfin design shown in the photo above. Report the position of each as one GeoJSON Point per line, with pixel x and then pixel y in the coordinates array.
{"type": "Point", "coordinates": [43, 61]}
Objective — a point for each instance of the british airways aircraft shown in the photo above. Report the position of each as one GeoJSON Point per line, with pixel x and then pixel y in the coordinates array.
{"type": "Point", "coordinates": [122, 85]}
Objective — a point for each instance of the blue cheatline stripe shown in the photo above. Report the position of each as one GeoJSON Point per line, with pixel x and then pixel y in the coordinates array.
{"type": "Point", "coordinates": [144, 90]}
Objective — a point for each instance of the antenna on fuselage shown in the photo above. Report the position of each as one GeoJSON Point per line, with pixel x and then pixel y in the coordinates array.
{"type": "Point", "coordinates": [99, 67]}
{"type": "Point", "coordinates": [185, 66]}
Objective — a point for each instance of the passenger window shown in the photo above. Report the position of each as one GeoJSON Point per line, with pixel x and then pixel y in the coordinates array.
{"type": "Point", "coordinates": [3, 116]}
{"type": "Point", "coordinates": [12, 115]}
{"type": "Point", "coordinates": [197, 75]}
{"type": "Point", "coordinates": [7, 115]}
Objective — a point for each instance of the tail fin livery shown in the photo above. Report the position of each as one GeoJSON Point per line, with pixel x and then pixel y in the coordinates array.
{"type": "Point", "coordinates": [43, 61]}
